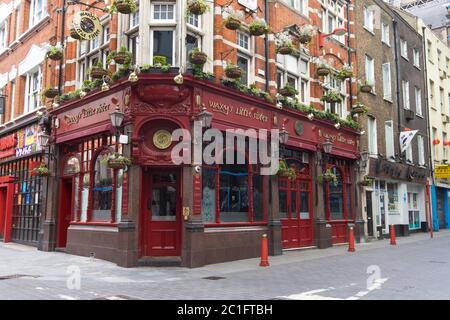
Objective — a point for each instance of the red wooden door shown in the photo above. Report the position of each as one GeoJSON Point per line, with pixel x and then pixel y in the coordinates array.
{"type": "Point", "coordinates": [65, 210]}
{"type": "Point", "coordinates": [296, 214]}
{"type": "Point", "coordinates": [2, 211]}
{"type": "Point", "coordinates": [162, 214]}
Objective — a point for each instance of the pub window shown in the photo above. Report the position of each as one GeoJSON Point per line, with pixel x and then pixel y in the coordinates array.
{"type": "Point", "coordinates": [119, 193]}
{"type": "Point", "coordinates": [102, 189]}
{"type": "Point", "coordinates": [84, 197]}
{"type": "Point", "coordinates": [335, 196]}
{"type": "Point", "coordinates": [163, 42]}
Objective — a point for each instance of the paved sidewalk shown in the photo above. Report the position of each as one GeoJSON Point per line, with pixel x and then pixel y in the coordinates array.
{"type": "Point", "coordinates": [418, 267]}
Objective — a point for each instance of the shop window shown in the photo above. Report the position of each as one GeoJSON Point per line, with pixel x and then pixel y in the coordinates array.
{"type": "Point", "coordinates": [413, 211]}
{"type": "Point", "coordinates": [72, 166]}
{"type": "Point", "coordinates": [335, 197]}
{"type": "Point", "coordinates": [84, 197]}
{"type": "Point", "coordinates": [234, 193]}
{"type": "Point", "coordinates": [209, 195]}
{"type": "Point", "coordinates": [102, 190]}
{"type": "Point", "coordinates": [119, 194]}
{"type": "Point", "coordinates": [392, 189]}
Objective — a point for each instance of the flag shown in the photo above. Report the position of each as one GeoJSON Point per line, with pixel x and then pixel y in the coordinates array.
{"type": "Point", "coordinates": [405, 139]}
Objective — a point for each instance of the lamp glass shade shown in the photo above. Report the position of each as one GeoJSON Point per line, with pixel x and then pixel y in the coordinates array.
{"type": "Point", "coordinates": [327, 146]}
{"type": "Point", "coordinates": [284, 136]}
{"type": "Point", "coordinates": [116, 118]}
{"type": "Point", "coordinates": [205, 117]}
{"type": "Point", "coordinates": [43, 139]}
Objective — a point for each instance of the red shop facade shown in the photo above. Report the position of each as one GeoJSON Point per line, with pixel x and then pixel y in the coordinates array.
{"type": "Point", "coordinates": [196, 213]}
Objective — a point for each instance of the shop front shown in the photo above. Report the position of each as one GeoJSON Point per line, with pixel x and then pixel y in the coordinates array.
{"type": "Point", "coordinates": [20, 187]}
{"type": "Point", "coordinates": [194, 195]}
{"type": "Point", "coordinates": [440, 204]}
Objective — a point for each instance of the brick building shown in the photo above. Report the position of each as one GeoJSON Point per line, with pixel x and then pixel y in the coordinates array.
{"type": "Point", "coordinates": [195, 214]}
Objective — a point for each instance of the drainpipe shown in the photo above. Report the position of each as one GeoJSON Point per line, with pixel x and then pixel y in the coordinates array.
{"type": "Point", "coordinates": [397, 80]}
{"type": "Point", "coordinates": [427, 114]}
{"type": "Point", "coordinates": [349, 51]}
{"type": "Point", "coordinates": [266, 44]}
{"type": "Point", "coordinates": [63, 21]}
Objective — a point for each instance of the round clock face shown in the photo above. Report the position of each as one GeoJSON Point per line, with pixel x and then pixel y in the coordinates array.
{"type": "Point", "coordinates": [87, 25]}
{"type": "Point", "coordinates": [162, 139]}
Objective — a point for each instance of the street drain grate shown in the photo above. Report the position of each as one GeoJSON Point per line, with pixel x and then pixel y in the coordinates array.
{"type": "Point", "coordinates": [214, 278]}
{"type": "Point", "coordinates": [117, 297]}
{"type": "Point", "coordinates": [17, 276]}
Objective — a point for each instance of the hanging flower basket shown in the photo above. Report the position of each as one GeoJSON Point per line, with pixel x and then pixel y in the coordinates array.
{"type": "Point", "coordinates": [258, 27]}
{"type": "Point", "coordinates": [42, 171]}
{"type": "Point", "coordinates": [285, 171]}
{"type": "Point", "coordinates": [50, 93]}
{"type": "Point", "coordinates": [331, 97]}
{"type": "Point", "coordinates": [197, 57]}
{"type": "Point", "coordinates": [288, 90]}
{"type": "Point", "coordinates": [366, 88]}
{"type": "Point", "coordinates": [197, 7]}
{"type": "Point", "coordinates": [74, 34]}
{"type": "Point", "coordinates": [285, 50]}
{"type": "Point", "coordinates": [305, 38]}
{"type": "Point", "coordinates": [122, 57]}
{"type": "Point", "coordinates": [97, 72]}
{"type": "Point", "coordinates": [125, 6]}
{"type": "Point", "coordinates": [328, 176]}
{"type": "Point", "coordinates": [306, 32]}
{"type": "Point", "coordinates": [359, 108]}
{"type": "Point", "coordinates": [323, 71]}
{"type": "Point", "coordinates": [366, 181]}
{"type": "Point", "coordinates": [233, 72]}
{"type": "Point", "coordinates": [54, 53]}
{"type": "Point", "coordinates": [232, 23]}
{"type": "Point", "coordinates": [117, 161]}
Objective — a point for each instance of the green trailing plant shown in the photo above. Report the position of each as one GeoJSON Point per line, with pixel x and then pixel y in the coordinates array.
{"type": "Point", "coordinates": [197, 7]}
{"type": "Point", "coordinates": [116, 160]}
{"type": "Point", "coordinates": [165, 68]}
{"type": "Point", "coordinates": [121, 72]}
{"type": "Point", "coordinates": [233, 19]}
{"type": "Point", "coordinates": [197, 57]}
{"type": "Point", "coordinates": [328, 176]}
{"type": "Point", "coordinates": [123, 6]}
{"type": "Point", "coordinates": [97, 71]}
{"type": "Point", "coordinates": [258, 27]}
{"type": "Point", "coordinates": [359, 108]}
{"type": "Point", "coordinates": [159, 61]}
{"type": "Point", "coordinates": [345, 73]}
{"type": "Point", "coordinates": [232, 71]}
{"type": "Point", "coordinates": [54, 53]}
{"type": "Point", "coordinates": [75, 94]}
{"type": "Point", "coordinates": [198, 73]}
{"type": "Point", "coordinates": [285, 171]}
{"type": "Point", "coordinates": [49, 92]}
{"type": "Point", "coordinates": [42, 171]}
{"type": "Point", "coordinates": [145, 68]}
{"type": "Point", "coordinates": [366, 181]}
{"type": "Point", "coordinates": [123, 56]}
{"type": "Point", "coordinates": [284, 44]}
{"type": "Point", "coordinates": [86, 86]}
{"type": "Point", "coordinates": [331, 96]}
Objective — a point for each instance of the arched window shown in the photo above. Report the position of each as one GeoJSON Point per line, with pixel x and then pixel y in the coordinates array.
{"type": "Point", "coordinates": [336, 196]}
{"type": "Point", "coordinates": [102, 189]}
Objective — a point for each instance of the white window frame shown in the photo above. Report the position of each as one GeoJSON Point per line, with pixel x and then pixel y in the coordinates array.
{"type": "Point", "coordinates": [152, 13]}
{"type": "Point", "coordinates": [421, 149]}
{"type": "Point", "coordinates": [3, 35]}
{"type": "Point", "coordinates": [30, 95]}
{"type": "Point", "coordinates": [416, 58]}
{"type": "Point", "coordinates": [299, 5]}
{"type": "Point", "coordinates": [174, 42]}
{"type": "Point", "coordinates": [341, 87]}
{"type": "Point", "coordinates": [418, 98]}
{"type": "Point", "coordinates": [37, 13]}
{"type": "Point", "coordinates": [372, 142]}
{"type": "Point", "coordinates": [405, 94]}
{"type": "Point", "coordinates": [387, 81]}
{"type": "Point", "coordinates": [385, 34]}
{"type": "Point", "coordinates": [368, 19]}
{"type": "Point", "coordinates": [409, 153]}
{"type": "Point", "coordinates": [370, 70]}
{"type": "Point", "coordinates": [404, 48]}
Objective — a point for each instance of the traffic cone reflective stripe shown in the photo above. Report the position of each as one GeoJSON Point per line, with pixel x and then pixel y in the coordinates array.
{"type": "Point", "coordinates": [264, 251]}
{"type": "Point", "coordinates": [392, 234]}
{"type": "Point", "coordinates": [351, 240]}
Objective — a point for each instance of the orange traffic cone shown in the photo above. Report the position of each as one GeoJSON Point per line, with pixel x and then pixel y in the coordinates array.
{"type": "Point", "coordinates": [351, 240]}
{"type": "Point", "coordinates": [264, 252]}
{"type": "Point", "coordinates": [392, 234]}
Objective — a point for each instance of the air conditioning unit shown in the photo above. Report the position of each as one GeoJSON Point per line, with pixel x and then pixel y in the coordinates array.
{"type": "Point", "coordinates": [409, 114]}
{"type": "Point", "coordinates": [445, 119]}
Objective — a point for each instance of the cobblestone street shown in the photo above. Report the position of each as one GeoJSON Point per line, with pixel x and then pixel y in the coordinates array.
{"type": "Point", "coordinates": [417, 268]}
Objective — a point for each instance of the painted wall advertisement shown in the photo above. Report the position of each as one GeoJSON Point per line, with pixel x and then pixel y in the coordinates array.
{"type": "Point", "coordinates": [27, 141]}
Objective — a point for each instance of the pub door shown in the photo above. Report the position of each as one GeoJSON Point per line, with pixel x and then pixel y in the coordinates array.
{"type": "Point", "coordinates": [66, 206]}
{"type": "Point", "coordinates": [295, 213]}
{"type": "Point", "coordinates": [2, 211]}
{"type": "Point", "coordinates": [161, 213]}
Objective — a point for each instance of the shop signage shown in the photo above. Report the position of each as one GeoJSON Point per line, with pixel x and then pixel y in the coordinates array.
{"type": "Point", "coordinates": [442, 171]}
{"type": "Point", "coordinates": [240, 111]}
{"type": "Point", "coordinates": [162, 139]}
{"type": "Point", "coordinates": [72, 119]}
{"type": "Point", "coordinates": [87, 25]}
{"type": "Point", "coordinates": [7, 146]}
{"type": "Point", "coordinates": [337, 138]}
{"type": "Point", "coordinates": [27, 141]}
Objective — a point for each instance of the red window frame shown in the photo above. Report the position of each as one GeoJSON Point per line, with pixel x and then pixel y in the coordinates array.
{"type": "Point", "coordinates": [347, 184]}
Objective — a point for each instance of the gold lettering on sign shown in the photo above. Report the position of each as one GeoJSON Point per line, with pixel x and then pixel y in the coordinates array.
{"type": "Point", "coordinates": [85, 113]}
{"type": "Point", "coordinates": [239, 111]}
{"type": "Point", "coordinates": [339, 138]}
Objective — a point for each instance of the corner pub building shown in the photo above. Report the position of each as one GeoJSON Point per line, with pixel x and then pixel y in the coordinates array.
{"type": "Point", "coordinates": [156, 212]}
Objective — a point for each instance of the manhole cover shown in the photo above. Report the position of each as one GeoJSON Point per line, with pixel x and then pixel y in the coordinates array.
{"type": "Point", "coordinates": [16, 276]}
{"type": "Point", "coordinates": [214, 278]}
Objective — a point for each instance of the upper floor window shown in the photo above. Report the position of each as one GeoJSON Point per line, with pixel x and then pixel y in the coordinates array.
{"type": "Point", "coordinates": [421, 150]}
{"type": "Point", "coordinates": [418, 96]}
{"type": "Point", "coordinates": [385, 33]}
{"type": "Point", "coordinates": [372, 136]}
{"type": "Point", "coordinates": [3, 35]}
{"type": "Point", "coordinates": [339, 87]}
{"type": "Point", "coordinates": [404, 48]}
{"type": "Point", "coordinates": [243, 40]}
{"type": "Point", "coordinates": [33, 88]}
{"type": "Point", "coordinates": [370, 70]}
{"type": "Point", "coordinates": [368, 19]}
{"type": "Point", "coordinates": [429, 50]}
{"type": "Point", "coordinates": [416, 57]}
{"type": "Point", "coordinates": [134, 19]}
{"type": "Point", "coordinates": [387, 84]}
{"type": "Point", "coordinates": [37, 11]}
{"type": "Point", "coordinates": [294, 71]}
{"type": "Point", "coordinates": [300, 5]}
{"type": "Point", "coordinates": [164, 12]}
{"type": "Point", "coordinates": [405, 92]}
{"type": "Point", "coordinates": [194, 20]}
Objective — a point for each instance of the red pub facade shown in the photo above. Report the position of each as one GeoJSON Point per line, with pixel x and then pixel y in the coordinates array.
{"type": "Point", "coordinates": [157, 212]}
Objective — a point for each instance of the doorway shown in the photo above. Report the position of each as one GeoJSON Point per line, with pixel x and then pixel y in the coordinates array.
{"type": "Point", "coordinates": [161, 213]}
{"type": "Point", "coordinates": [2, 212]}
{"type": "Point", "coordinates": [65, 210]}
{"type": "Point", "coordinates": [369, 213]}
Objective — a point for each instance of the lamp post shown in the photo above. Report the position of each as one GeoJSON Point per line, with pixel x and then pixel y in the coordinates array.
{"type": "Point", "coordinates": [336, 32]}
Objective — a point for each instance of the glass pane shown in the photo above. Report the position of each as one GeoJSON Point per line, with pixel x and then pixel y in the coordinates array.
{"type": "Point", "coordinates": [76, 183]}
{"type": "Point", "coordinates": [282, 194]}
{"type": "Point", "coordinates": [304, 205]}
{"type": "Point", "coordinates": [242, 63]}
{"type": "Point", "coordinates": [336, 198]}
{"type": "Point", "coordinates": [102, 190]}
{"type": "Point", "coordinates": [234, 195]}
{"type": "Point", "coordinates": [163, 44]}
{"type": "Point", "coordinates": [349, 203]}
{"type": "Point", "coordinates": [258, 210]}
{"type": "Point", "coordinates": [84, 197]}
{"type": "Point", "coordinates": [119, 189]}
{"type": "Point", "coordinates": [209, 195]}
{"type": "Point", "coordinates": [164, 203]}
{"type": "Point", "coordinates": [72, 166]}
{"type": "Point", "coordinates": [293, 205]}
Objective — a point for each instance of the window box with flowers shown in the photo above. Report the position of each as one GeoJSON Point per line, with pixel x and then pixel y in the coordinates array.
{"type": "Point", "coordinates": [331, 96]}
{"type": "Point", "coordinates": [42, 171]}
{"type": "Point", "coordinates": [328, 176]}
{"type": "Point", "coordinates": [288, 90]}
{"type": "Point", "coordinates": [232, 71]}
{"type": "Point", "coordinates": [258, 27]}
{"type": "Point", "coordinates": [197, 7]}
{"type": "Point", "coordinates": [123, 6]}
{"type": "Point", "coordinates": [117, 161]}
{"type": "Point", "coordinates": [233, 19]}
{"type": "Point", "coordinates": [159, 65]}
{"type": "Point", "coordinates": [54, 53]}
